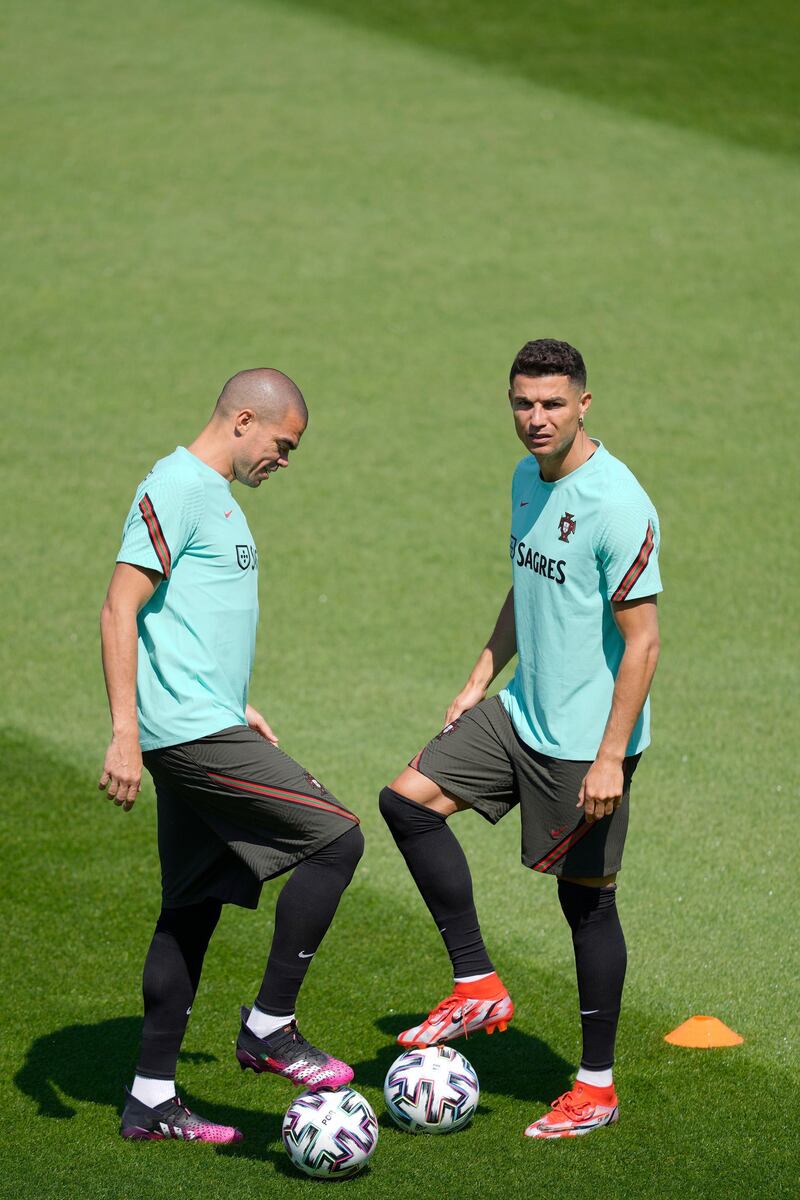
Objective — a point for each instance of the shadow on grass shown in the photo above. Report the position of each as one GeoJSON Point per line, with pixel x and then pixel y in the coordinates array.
{"type": "Point", "coordinates": [512, 1064]}
{"type": "Point", "coordinates": [85, 1063]}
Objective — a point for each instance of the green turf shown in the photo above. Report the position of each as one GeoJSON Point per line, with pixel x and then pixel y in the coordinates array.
{"type": "Point", "coordinates": [196, 187]}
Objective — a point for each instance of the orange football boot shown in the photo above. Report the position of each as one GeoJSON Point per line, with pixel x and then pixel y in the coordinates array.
{"type": "Point", "coordinates": [578, 1111]}
{"type": "Point", "coordinates": [470, 1007]}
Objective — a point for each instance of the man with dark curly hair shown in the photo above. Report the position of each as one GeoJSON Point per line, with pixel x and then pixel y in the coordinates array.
{"type": "Point", "coordinates": [562, 740]}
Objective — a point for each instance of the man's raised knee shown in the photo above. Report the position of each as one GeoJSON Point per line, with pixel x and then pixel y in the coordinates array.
{"type": "Point", "coordinates": [406, 817]}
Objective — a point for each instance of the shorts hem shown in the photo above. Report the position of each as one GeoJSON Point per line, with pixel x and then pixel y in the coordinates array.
{"type": "Point", "coordinates": [474, 802]}
{"type": "Point", "coordinates": [306, 852]}
{"type": "Point", "coordinates": [557, 869]}
{"type": "Point", "coordinates": [212, 894]}
{"type": "Point", "coordinates": [252, 901]}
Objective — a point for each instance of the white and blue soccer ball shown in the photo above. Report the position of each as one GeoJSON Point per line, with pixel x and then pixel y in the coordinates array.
{"type": "Point", "coordinates": [434, 1090]}
{"type": "Point", "coordinates": [330, 1134]}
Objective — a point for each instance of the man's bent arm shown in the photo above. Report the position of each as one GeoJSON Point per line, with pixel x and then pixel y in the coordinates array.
{"type": "Point", "coordinates": [496, 654]}
{"type": "Point", "coordinates": [130, 588]}
{"type": "Point", "coordinates": [637, 621]}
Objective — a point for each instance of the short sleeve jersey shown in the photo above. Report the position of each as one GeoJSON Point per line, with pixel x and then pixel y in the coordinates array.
{"type": "Point", "coordinates": [197, 632]}
{"type": "Point", "coordinates": [577, 545]}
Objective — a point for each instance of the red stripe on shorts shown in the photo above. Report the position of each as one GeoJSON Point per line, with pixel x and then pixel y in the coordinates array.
{"type": "Point", "coordinates": [563, 846]}
{"type": "Point", "coordinates": [262, 789]}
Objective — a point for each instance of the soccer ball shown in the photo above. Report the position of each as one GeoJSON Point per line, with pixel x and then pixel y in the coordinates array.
{"type": "Point", "coordinates": [434, 1090]}
{"type": "Point", "coordinates": [330, 1134]}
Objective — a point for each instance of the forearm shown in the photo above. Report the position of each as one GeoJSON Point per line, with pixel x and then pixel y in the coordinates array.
{"type": "Point", "coordinates": [119, 640]}
{"type": "Point", "coordinates": [632, 685]}
{"type": "Point", "coordinates": [500, 648]}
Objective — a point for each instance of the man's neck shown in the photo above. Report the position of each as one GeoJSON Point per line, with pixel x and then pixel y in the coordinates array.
{"type": "Point", "coordinates": [209, 448]}
{"type": "Point", "coordinates": [576, 454]}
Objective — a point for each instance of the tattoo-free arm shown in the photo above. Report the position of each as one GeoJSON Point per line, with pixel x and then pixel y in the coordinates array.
{"type": "Point", "coordinates": [130, 588]}
{"type": "Point", "coordinates": [637, 621]}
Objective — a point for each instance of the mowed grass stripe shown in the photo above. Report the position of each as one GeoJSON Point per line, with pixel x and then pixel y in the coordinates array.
{"type": "Point", "coordinates": [723, 68]}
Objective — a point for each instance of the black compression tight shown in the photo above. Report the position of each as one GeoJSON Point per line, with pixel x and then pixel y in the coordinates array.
{"type": "Point", "coordinates": [171, 975]}
{"type": "Point", "coordinates": [303, 914]}
{"type": "Point", "coordinates": [439, 869]}
{"type": "Point", "coordinates": [174, 961]}
{"type": "Point", "coordinates": [600, 962]}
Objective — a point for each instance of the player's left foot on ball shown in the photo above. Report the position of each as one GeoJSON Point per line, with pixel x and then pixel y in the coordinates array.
{"type": "Point", "coordinates": [172, 1119]}
{"type": "Point", "coordinates": [287, 1053]}
{"type": "Point", "coordinates": [578, 1111]}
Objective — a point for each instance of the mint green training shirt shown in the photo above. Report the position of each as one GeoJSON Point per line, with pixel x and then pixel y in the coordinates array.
{"type": "Point", "coordinates": [576, 545]}
{"type": "Point", "coordinates": [197, 633]}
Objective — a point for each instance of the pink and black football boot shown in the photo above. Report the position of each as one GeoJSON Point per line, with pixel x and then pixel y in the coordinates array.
{"type": "Point", "coordinates": [287, 1053]}
{"type": "Point", "coordinates": [171, 1119]}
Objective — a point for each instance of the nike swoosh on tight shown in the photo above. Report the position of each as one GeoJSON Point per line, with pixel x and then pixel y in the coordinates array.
{"type": "Point", "coordinates": [302, 955]}
{"type": "Point", "coordinates": [587, 1012]}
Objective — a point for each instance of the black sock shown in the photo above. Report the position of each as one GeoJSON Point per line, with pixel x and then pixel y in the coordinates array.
{"type": "Point", "coordinates": [303, 914]}
{"type": "Point", "coordinates": [600, 961]}
{"type": "Point", "coordinates": [440, 871]}
{"type": "Point", "coordinates": [169, 984]}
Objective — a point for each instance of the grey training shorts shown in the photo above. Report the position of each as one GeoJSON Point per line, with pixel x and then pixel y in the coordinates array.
{"type": "Point", "coordinates": [481, 760]}
{"type": "Point", "coordinates": [233, 811]}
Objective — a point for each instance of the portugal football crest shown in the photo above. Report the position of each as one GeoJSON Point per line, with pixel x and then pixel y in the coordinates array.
{"type": "Point", "coordinates": [566, 527]}
{"type": "Point", "coordinates": [246, 556]}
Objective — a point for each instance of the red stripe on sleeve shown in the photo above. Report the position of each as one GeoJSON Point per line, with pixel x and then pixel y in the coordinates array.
{"type": "Point", "coordinates": [637, 566]}
{"type": "Point", "coordinates": [156, 534]}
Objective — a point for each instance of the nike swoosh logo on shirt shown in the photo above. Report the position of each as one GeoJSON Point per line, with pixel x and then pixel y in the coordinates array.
{"type": "Point", "coordinates": [227, 514]}
{"type": "Point", "coordinates": [524, 503]}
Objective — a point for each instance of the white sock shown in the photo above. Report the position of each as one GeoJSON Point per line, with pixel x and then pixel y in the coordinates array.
{"type": "Point", "coordinates": [262, 1024]}
{"type": "Point", "coordinates": [472, 978]}
{"type": "Point", "coordinates": [152, 1091]}
{"type": "Point", "coordinates": [602, 1079]}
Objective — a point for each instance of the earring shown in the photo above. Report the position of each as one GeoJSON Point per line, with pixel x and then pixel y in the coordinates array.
{"type": "Point", "coordinates": [580, 422]}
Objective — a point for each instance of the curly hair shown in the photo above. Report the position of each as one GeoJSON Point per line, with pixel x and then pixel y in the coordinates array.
{"type": "Point", "coordinates": [546, 356]}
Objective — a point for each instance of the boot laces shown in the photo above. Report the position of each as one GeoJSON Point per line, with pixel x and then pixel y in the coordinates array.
{"type": "Point", "coordinates": [572, 1108]}
{"type": "Point", "coordinates": [446, 1007]}
{"type": "Point", "coordinates": [293, 1036]}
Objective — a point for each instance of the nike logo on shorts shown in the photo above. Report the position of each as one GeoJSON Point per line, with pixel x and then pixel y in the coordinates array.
{"type": "Point", "coordinates": [302, 955]}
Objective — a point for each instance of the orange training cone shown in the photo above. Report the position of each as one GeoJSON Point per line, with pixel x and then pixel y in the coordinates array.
{"type": "Point", "coordinates": [703, 1032]}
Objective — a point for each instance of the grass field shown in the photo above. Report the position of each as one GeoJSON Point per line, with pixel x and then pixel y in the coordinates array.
{"type": "Point", "coordinates": [386, 205]}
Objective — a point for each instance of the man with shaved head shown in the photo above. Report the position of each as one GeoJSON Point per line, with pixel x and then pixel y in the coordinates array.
{"type": "Point", "coordinates": [178, 635]}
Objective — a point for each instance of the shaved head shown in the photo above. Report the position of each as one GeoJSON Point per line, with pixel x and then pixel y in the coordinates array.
{"type": "Point", "coordinates": [268, 393]}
